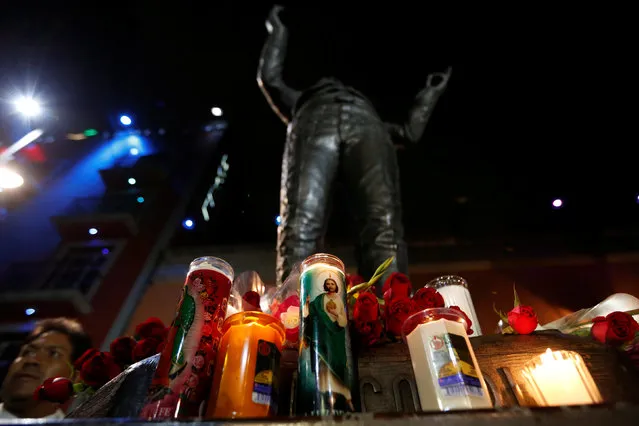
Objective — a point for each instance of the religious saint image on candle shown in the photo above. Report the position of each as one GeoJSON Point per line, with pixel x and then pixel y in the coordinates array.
{"type": "Point", "coordinates": [325, 355]}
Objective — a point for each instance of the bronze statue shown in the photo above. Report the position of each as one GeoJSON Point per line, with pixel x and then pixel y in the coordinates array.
{"type": "Point", "coordinates": [334, 130]}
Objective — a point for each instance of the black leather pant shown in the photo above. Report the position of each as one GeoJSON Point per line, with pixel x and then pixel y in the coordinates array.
{"type": "Point", "coordinates": [345, 138]}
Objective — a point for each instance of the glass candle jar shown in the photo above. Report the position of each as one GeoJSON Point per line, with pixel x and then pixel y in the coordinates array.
{"type": "Point", "coordinates": [560, 378]}
{"type": "Point", "coordinates": [182, 380]}
{"type": "Point", "coordinates": [455, 292]}
{"type": "Point", "coordinates": [446, 370]}
{"type": "Point", "coordinates": [325, 367]}
{"type": "Point", "coordinates": [247, 370]}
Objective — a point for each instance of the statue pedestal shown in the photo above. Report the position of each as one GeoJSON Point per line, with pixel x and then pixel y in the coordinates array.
{"type": "Point", "coordinates": [387, 383]}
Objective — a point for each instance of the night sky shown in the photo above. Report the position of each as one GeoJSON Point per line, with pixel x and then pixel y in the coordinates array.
{"type": "Point", "coordinates": [538, 106]}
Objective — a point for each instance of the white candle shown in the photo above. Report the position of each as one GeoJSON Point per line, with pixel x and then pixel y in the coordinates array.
{"type": "Point", "coordinates": [446, 370]}
{"type": "Point", "coordinates": [455, 292]}
{"type": "Point", "coordinates": [561, 378]}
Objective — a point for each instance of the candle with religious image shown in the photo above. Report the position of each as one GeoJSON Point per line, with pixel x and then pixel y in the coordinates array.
{"type": "Point", "coordinates": [325, 380]}
{"type": "Point", "coordinates": [455, 292]}
{"type": "Point", "coordinates": [182, 380]}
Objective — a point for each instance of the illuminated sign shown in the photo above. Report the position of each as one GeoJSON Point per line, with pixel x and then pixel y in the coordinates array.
{"type": "Point", "coordinates": [209, 200]}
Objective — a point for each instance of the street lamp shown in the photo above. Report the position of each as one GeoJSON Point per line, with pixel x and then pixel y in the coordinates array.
{"type": "Point", "coordinates": [9, 179]}
{"type": "Point", "coordinates": [28, 107]}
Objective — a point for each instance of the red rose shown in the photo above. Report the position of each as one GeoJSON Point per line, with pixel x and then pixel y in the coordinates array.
{"type": "Point", "coordinates": [145, 348]}
{"type": "Point", "coordinates": [396, 286]}
{"type": "Point", "coordinates": [251, 301]}
{"type": "Point", "coordinates": [369, 332]}
{"type": "Point", "coordinates": [152, 327]}
{"type": "Point", "coordinates": [122, 350]}
{"type": "Point", "coordinates": [616, 328]}
{"type": "Point", "coordinates": [428, 297]}
{"type": "Point", "coordinates": [396, 313]}
{"type": "Point", "coordinates": [523, 319]}
{"type": "Point", "coordinates": [469, 323]}
{"type": "Point", "coordinates": [90, 353]}
{"type": "Point", "coordinates": [57, 390]}
{"type": "Point", "coordinates": [366, 307]}
{"type": "Point", "coordinates": [353, 280]}
{"type": "Point", "coordinates": [99, 369]}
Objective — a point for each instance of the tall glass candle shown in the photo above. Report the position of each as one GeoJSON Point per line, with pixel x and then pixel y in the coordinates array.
{"type": "Point", "coordinates": [325, 380]}
{"type": "Point", "coordinates": [560, 378]}
{"type": "Point", "coordinates": [182, 380]}
{"type": "Point", "coordinates": [446, 370]}
{"type": "Point", "coordinates": [455, 292]}
{"type": "Point", "coordinates": [247, 369]}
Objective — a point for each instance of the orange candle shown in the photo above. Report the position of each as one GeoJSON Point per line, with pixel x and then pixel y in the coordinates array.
{"type": "Point", "coordinates": [245, 383]}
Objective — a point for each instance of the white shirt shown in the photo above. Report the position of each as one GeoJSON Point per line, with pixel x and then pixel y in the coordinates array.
{"type": "Point", "coordinates": [4, 414]}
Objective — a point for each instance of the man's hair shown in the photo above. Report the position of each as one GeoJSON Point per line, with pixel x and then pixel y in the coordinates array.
{"type": "Point", "coordinates": [80, 340]}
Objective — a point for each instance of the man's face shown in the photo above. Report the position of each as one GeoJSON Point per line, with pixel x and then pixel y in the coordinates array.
{"type": "Point", "coordinates": [47, 356]}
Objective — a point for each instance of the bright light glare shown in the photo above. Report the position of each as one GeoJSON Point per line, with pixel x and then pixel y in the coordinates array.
{"type": "Point", "coordinates": [134, 151]}
{"type": "Point", "coordinates": [28, 107]}
{"type": "Point", "coordinates": [188, 224]}
{"type": "Point", "coordinates": [93, 231]}
{"type": "Point", "coordinates": [216, 111]}
{"type": "Point", "coordinates": [132, 181]}
{"type": "Point", "coordinates": [9, 179]}
{"type": "Point", "coordinates": [557, 203]}
{"type": "Point", "coordinates": [125, 120]}
{"type": "Point", "coordinates": [29, 311]}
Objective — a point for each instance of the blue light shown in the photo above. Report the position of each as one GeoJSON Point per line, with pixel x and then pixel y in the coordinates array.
{"type": "Point", "coordinates": [140, 200]}
{"type": "Point", "coordinates": [93, 231]}
{"type": "Point", "coordinates": [188, 224]}
{"type": "Point", "coordinates": [105, 251]}
{"type": "Point", "coordinates": [278, 220]}
{"type": "Point", "coordinates": [134, 151]}
{"type": "Point", "coordinates": [125, 120]}
{"type": "Point", "coordinates": [29, 311]}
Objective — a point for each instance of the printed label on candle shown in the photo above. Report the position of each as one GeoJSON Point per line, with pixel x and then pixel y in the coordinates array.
{"type": "Point", "coordinates": [267, 367]}
{"type": "Point", "coordinates": [456, 373]}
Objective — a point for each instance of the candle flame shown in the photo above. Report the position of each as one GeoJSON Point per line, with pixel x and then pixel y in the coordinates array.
{"type": "Point", "coordinates": [547, 356]}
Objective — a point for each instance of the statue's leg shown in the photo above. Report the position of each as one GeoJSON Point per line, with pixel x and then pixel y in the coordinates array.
{"type": "Point", "coordinates": [369, 167]}
{"type": "Point", "coordinates": [309, 167]}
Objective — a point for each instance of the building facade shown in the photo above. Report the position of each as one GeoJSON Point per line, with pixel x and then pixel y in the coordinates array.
{"type": "Point", "coordinates": [86, 240]}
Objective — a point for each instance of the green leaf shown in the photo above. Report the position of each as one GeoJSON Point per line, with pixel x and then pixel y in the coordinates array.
{"type": "Point", "coordinates": [502, 316]}
{"type": "Point", "coordinates": [581, 332]}
{"type": "Point", "coordinates": [507, 330]}
{"type": "Point", "coordinates": [376, 276]}
{"type": "Point", "coordinates": [516, 296]}
{"type": "Point", "coordinates": [384, 266]}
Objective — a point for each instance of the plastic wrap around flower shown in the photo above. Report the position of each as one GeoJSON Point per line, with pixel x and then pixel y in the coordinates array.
{"type": "Point", "coordinates": [284, 305]}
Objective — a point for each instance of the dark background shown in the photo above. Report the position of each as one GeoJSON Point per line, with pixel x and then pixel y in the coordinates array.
{"type": "Point", "coordinates": [540, 104]}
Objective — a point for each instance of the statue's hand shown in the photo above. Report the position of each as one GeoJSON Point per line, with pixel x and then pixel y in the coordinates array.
{"type": "Point", "coordinates": [437, 81]}
{"type": "Point", "coordinates": [273, 21]}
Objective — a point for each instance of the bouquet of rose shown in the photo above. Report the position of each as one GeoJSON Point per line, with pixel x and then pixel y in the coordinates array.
{"type": "Point", "coordinates": [95, 368]}
{"type": "Point", "coordinates": [379, 320]}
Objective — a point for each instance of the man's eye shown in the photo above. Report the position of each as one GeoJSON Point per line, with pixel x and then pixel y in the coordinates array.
{"type": "Point", "coordinates": [55, 354]}
{"type": "Point", "coordinates": [28, 352]}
